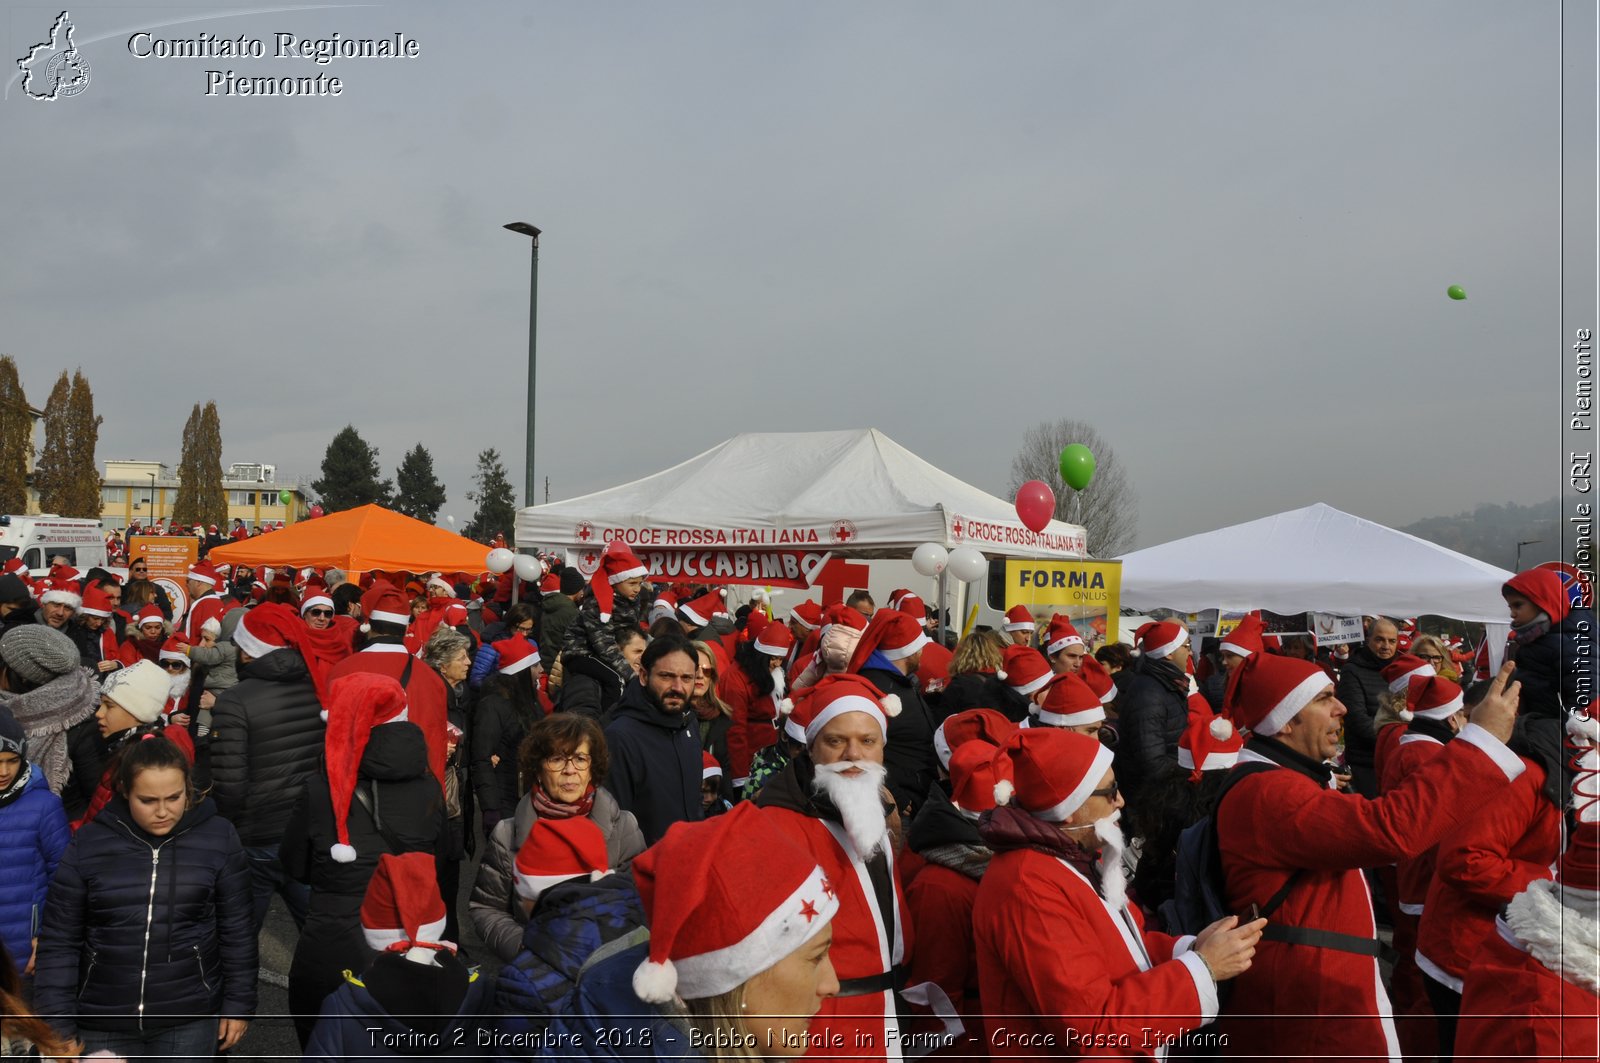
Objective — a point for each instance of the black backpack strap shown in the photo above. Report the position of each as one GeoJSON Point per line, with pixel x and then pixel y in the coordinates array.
{"type": "Point", "coordinates": [405, 673]}
{"type": "Point", "coordinates": [369, 801]}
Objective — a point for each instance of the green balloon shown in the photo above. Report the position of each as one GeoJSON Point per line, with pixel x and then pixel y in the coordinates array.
{"type": "Point", "coordinates": [1456, 292]}
{"type": "Point", "coordinates": [1077, 466]}
{"type": "Point", "coordinates": [285, 497]}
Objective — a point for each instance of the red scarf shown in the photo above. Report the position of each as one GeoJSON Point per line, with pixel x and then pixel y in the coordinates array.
{"type": "Point", "coordinates": [549, 808]}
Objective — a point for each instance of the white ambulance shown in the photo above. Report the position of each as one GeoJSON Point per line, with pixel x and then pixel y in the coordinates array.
{"type": "Point", "coordinates": [43, 538]}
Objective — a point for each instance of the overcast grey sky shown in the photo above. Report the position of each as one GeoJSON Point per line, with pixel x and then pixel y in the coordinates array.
{"type": "Point", "coordinates": [1221, 232]}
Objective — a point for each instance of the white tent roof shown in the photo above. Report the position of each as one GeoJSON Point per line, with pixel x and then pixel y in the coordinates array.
{"type": "Point", "coordinates": [857, 492]}
{"type": "Point", "coordinates": [1317, 558]}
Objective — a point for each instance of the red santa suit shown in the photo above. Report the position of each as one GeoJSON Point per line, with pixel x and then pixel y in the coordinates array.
{"type": "Point", "coordinates": [210, 607]}
{"type": "Point", "coordinates": [752, 720]}
{"type": "Point", "coordinates": [1287, 821]}
{"type": "Point", "coordinates": [1065, 970]}
{"type": "Point", "coordinates": [933, 672]}
{"type": "Point", "coordinates": [427, 700]}
{"type": "Point", "coordinates": [1480, 866]}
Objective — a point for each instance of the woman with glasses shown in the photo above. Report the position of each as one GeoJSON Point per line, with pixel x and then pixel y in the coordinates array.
{"type": "Point", "coordinates": [1432, 649]}
{"type": "Point", "coordinates": [564, 761]}
{"type": "Point", "coordinates": [448, 652]}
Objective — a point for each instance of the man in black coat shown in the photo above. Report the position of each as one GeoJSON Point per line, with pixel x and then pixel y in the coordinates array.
{"type": "Point", "coordinates": [887, 656]}
{"type": "Point", "coordinates": [1361, 687]}
{"type": "Point", "coordinates": [1153, 704]}
{"type": "Point", "coordinates": [654, 741]}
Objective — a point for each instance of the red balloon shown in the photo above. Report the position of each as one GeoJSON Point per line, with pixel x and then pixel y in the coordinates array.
{"type": "Point", "coordinates": [316, 511]}
{"type": "Point", "coordinates": [1036, 505]}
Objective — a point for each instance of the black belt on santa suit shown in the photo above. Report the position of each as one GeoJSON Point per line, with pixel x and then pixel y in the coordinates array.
{"type": "Point", "coordinates": [890, 980]}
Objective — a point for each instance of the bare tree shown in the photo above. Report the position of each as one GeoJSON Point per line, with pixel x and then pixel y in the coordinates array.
{"type": "Point", "coordinates": [1110, 512]}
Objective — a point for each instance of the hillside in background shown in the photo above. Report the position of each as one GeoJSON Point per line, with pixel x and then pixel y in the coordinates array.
{"type": "Point", "coordinates": [1491, 533]}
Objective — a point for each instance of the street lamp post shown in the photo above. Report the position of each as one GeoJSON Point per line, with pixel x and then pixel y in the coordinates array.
{"type": "Point", "coordinates": [524, 229]}
{"type": "Point", "coordinates": [152, 495]}
{"type": "Point", "coordinates": [1525, 542]}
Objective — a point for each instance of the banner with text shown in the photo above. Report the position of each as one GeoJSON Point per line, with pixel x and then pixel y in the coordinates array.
{"type": "Point", "coordinates": [1334, 630]}
{"type": "Point", "coordinates": [761, 568]}
{"type": "Point", "coordinates": [1080, 589]}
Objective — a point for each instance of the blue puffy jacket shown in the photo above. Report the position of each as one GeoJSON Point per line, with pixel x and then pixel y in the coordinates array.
{"type": "Point", "coordinates": [484, 664]}
{"type": "Point", "coordinates": [354, 1025]}
{"type": "Point", "coordinates": [569, 924]}
{"type": "Point", "coordinates": [33, 835]}
{"type": "Point", "coordinates": [145, 932]}
{"type": "Point", "coordinates": [606, 1020]}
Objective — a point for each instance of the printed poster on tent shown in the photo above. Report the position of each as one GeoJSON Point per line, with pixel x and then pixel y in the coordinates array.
{"type": "Point", "coordinates": [1089, 591]}
{"type": "Point", "coordinates": [1332, 630]}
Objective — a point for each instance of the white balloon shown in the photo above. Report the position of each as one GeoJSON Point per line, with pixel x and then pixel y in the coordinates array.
{"type": "Point", "coordinates": [967, 564]}
{"type": "Point", "coordinates": [529, 568]}
{"type": "Point", "coordinates": [450, 521]}
{"type": "Point", "coordinates": [929, 559]}
{"type": "Point", "coordinates": [500, 560]}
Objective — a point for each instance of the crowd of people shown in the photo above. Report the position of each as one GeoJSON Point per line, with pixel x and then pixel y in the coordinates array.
{"type": "Point", "coordinates": [696, 829]}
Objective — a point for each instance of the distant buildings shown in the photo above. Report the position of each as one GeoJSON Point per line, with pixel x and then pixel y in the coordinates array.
{"type": "Point", "coordinates": [145, 491]}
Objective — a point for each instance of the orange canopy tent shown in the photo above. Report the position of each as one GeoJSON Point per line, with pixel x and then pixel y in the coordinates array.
{"type": "Point", "coordinates": [359, 540]}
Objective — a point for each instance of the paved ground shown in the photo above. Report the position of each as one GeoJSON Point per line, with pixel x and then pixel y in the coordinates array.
{"type": "Point", "coordinates": [271, 1036]}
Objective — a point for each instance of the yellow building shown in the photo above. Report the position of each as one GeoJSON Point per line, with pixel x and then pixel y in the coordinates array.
{"type": "Point", "coordinates": [144, 491]}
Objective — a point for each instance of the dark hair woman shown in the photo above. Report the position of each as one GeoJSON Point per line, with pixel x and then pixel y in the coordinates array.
{"type": "Point", "coordinates": [147, 946]}
{"type": "Point", "coordinates": [508, 704]}
{"type": "Point", "coordinates": [564, 758]}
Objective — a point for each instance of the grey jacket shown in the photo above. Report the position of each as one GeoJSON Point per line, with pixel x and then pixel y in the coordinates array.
{"type": "Point", "coordinates": [494, 907]}
{"type": "Point", "coordinates": [220, 661]}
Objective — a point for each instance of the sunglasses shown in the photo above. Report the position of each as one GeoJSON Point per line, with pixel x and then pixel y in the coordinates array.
{"type": "Point", "coordinates": [175, 666]}
{"type": "Point", "coordinates": [319, 612]}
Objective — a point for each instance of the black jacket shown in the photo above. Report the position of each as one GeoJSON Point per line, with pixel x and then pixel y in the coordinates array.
{"type": "Point", "coordinates": [266, 738]}
{"type": "Point", "coordinates": [982, 690]}
{"type": "Point", "coordinates": [1151, 716]}
{"type": "Point", "coordinates": [908, 750]}
{"type": "Point", "coordinates": [497, 731]}
{"type": "Point", "coordinates": [89, 755]}
{"type": "Point", "coordinates": [655, 763]}
{"type": "Point", "coordinates": [556, 613]}
{"type": "Point", "coordinates": [589, 687]}
{"type": "Point", "coordinates": [1558, 670]}
{"type": "Point", "coordinates": [143, 932]}
{"type": "Point", "coordinates": [1361, 687]}
{"type": "Point", "coordinates": [588, 635]}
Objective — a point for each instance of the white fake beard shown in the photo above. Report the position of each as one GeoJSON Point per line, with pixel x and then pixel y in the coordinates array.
{"type": "Point", "coordinates": [777, 684]}
{"type": "Point", "coordinates": [179, 685]}
{"type": "Point", "coordinates": [1113, 877]}
{"type": "Point", "coordinates": [858, 800]}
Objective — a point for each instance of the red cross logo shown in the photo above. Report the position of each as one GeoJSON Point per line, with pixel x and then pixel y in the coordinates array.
{"type": "Point", "coordinates": [808, 910]}
{"type": "Point", "coordinates": [955, 528]}
{"type": "Point", "coordinates": [843, 531]}
{"type": "Point", "coordinates": [585, 532]}
{"type": "Point", "coordinates": [590, 558]}
{"type": "Point", "coordinates": [827, 887]}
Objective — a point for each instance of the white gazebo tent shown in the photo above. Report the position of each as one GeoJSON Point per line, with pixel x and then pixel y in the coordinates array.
{"type": "Point", "coordinates": [1317, 559]}
{"type": "Point", "coordinates": [856, 492]}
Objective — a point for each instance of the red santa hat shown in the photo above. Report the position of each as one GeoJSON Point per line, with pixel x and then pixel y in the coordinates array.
{"type": "Point", "coordinates": [60, 592]}
{"type": "Point", "coordinates": [95, 602]}
{"type": "Point", "coordinates": [202, 572]}
{"type": "Point", "coordinates": [891, 633]}
{"type": "Point", "coordinates": [666, 604]}
{"type": "Point", "coordinates": [913, 607]}
{"type": "Point", "coordinates": [756, 622]}
{"type": "Point", "coordinates": [775, 640]}
{"type": "Point", "coordinates": [839, 613]}
{"type": "Point", "coordinates": [810, 710]}
{"type": "Point", "coordinates": [701, 610]}
{"type": "Point", "coordinates": [557, 850]}
{"type": "Point", "coordinates": [1068, 702]}
{"type": "Point", "coordinates": [361, 701]}
{"type": "Point", "coordinates": [1268, 690]}
{"type": "Point", "coordinates": [1210, 742]}
{"type": "Point", "coordinates": [384, 603]}
{"type": "Point", "coordinates": [1018, 618]}
{"type": "Point", "coordinates": [1100, 681]}
{"type": "Point", "coordinates": [1024, 669]}
{"type": "Point", "coordinates": [895, 596]}
{"type": "Point", "coordinates": [517, 654]}
{"type": "Point", "coordinates": [726, 898]}
{"type": "Point", "coordinates": [1049, 773]}
{"type": "Point", "coordinates": [709, 768]}
{"type": "Point", "coordinates": [1162, 639]}
{"type": "Point", "coordinates": [315, 599]}
{"type": "Point", "coordinates": [1060, 635]}
{"type": "Point", "coordinates": [438, 582]}
{"type": "Point", "coordinates": [972, 777]}
{"type": "Point", "coordinates": [618, 563]}
{"type": "Point", "coordinates": [150, 614]}
{"type": "Point", "coordinates": [550, 584]}
{"type": "Point", "coordinates": [403, 906]}
{"type": "Point", "coordinates": [1245, 638]}
{"type": "Point", "coordinates": [970, 725]}
{"type": "Point", "coordinates": [174, 649]}
{"type": "Point", "coordinates": [808, 614]}
{"type": "Point", "coordinates": [1399, 672]}
{"type": "Point", "coordinates": [1433, 697]}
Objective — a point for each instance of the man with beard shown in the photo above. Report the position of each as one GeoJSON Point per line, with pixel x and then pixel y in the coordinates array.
{"type": "Point", "coordinates": [58, 602]}
{"type": "Point", "coordinates": [654, 741]}
{"type": "Point", "coordinates": [94, 634]}
{"type": "Point", "coordinates": [1291, 844]}
{"type": "Point", "coordinates": [832, 799]}
{"type": "Point", "coordinates": [1061, 955]}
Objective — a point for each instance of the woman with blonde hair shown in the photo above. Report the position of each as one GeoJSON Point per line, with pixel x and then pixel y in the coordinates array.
{"type": "Point", "coordinates": [977, 680]}
{"type": "Point", "coordinates": [1432, 649]}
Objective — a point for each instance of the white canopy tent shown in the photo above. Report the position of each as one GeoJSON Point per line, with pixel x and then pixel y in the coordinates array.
{"type": "Point", "coordinates": [1316, 559]}
{"type": "Point", "coordinates": [854, 492]}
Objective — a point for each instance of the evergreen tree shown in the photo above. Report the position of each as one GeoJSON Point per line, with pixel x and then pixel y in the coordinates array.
{"type": "Point", "coordinates": [201, 498]}
{"type": "Point", "coordinates": [418, 492]}
{"type": "Point", "coordinates": [497, 500]}
{"type": "Point", "coordinates": [83, 431]}
{"type": "Point", "coordinates": [52, 475]}
{"type": "Point", "coordinates": [350, 474]}
{"type": "Point", "coordinates": [16, 439]}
